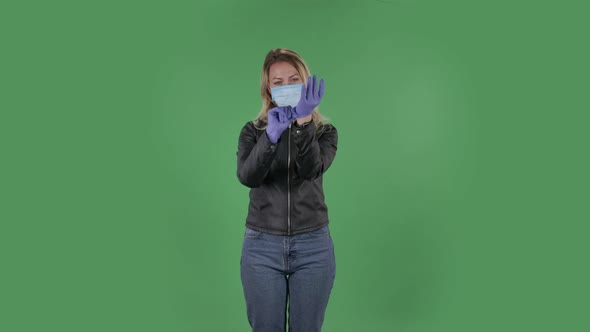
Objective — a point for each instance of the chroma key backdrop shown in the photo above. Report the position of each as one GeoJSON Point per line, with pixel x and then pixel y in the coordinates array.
{"type": "Point", "coordinates": [458, 198]}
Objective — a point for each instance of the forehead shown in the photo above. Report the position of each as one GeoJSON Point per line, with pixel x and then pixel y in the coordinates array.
{"type": "Point", "coordinates": [281, 69]}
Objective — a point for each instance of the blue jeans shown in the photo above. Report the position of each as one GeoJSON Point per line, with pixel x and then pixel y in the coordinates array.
{"type": "Point", "coordinates": [284, 274]}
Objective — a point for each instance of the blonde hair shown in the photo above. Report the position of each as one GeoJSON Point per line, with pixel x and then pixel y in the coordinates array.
{"type": "Point", "coordinates": [282, 55]}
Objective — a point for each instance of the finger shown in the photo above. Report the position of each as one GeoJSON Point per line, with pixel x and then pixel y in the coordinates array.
{"type": "Point", "coordinates": [283, 115]}
{"type": "Point", "coordinates": [303, 93]}
{"type": "Point", "coordinates": [308, 92]}
{"type": "Point", "coordinates": [288, 112]}
{"type": "Point", "coordinates": [272, 113]}
{"type": "Point", "coordinates": [321, 92]}
{"type": "Point", "coordinates": [315, 87]}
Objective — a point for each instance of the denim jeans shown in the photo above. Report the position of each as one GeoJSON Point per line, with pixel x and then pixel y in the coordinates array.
{"type": "Point", "coordinates": [287, 275]}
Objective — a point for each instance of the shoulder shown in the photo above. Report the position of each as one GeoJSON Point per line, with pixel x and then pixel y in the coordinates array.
{"type": "Point", "coordinates": [327, 128]}
{"type": "Point", "coordinates": [256, 124]}
{"type": "Point", "coordinates": [250, 126]}
{"type": "Point", "coordinates": [251, 131]}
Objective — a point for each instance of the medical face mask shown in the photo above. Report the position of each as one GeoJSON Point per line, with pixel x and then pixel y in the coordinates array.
{"type": "Point", "coordinates": [286, 95]}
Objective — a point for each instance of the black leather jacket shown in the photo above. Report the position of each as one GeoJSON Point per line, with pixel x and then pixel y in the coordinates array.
{"type": "Point", "coordinates": [286, 195]}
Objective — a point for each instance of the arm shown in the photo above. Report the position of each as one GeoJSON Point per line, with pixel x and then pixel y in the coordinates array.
{"type": "Point", "coordinates": [315, 153]}
{"type": "Point", "coordinates": [254, 157]}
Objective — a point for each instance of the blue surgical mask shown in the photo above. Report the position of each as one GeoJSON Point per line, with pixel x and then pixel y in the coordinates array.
{"type": "Point", "coordinates": [286, 95]}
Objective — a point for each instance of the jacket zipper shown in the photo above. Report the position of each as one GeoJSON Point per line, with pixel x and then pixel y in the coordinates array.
{"type": "Point", "coordinates": [289, 184]}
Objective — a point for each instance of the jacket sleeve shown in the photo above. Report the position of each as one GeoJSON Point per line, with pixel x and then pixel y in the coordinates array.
{"type": "Point", "coordinates": [255, 156]}
{"type": "Point", "coordinates": [315, 153]}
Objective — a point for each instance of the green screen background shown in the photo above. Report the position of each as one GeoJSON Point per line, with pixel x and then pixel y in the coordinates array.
{"type": "Point", "coordinates": [458, 198]}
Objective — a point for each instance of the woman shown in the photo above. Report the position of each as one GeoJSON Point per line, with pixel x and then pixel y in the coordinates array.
{"type": "Point", "coordinates": [287, 264]}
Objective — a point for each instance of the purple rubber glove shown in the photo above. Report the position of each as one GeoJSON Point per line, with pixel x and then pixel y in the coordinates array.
{"type": "Point", "coordinates": [311, 95]}
{"type": "Point", "coordinates": [279, 119]}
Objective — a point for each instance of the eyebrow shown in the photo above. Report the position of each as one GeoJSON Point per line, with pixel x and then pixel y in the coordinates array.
{"type": "Point", "coordinates": [289, 76]}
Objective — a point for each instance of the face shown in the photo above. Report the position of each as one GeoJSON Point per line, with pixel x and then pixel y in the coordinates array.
{"type": "Point", "coordinates": [282, 73]}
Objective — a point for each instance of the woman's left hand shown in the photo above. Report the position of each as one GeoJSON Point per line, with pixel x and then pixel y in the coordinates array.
{"type": "Point", "coordinates": [311, 95]}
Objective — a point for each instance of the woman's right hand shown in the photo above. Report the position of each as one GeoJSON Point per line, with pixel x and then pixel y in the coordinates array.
{"type": "Point", "coordinates": [279, 119]}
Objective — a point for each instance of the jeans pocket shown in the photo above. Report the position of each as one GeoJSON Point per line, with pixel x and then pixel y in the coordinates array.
{"type": "Point", "coordinates": [251, 233]}
{"type": "Point", "coordinates": [322, 232]}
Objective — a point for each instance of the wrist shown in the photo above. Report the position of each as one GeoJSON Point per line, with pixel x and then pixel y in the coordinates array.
{"type": "Point", "coordinates": [271, 138]}
{"type": "Point", "coordinates": [302, 122]}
